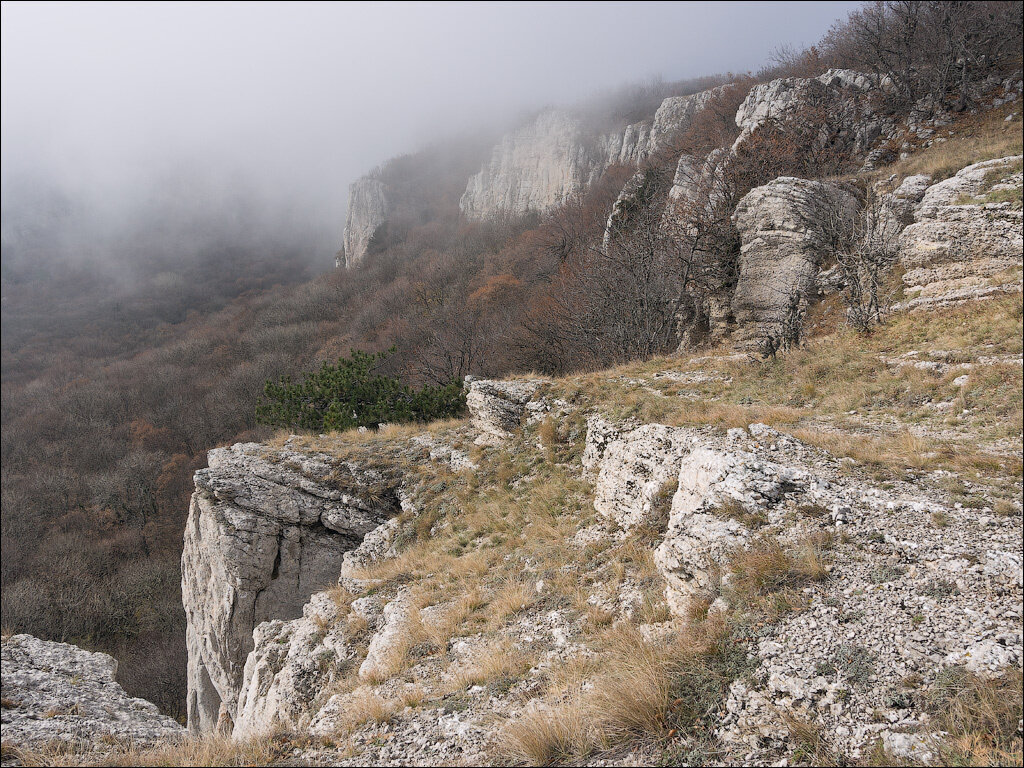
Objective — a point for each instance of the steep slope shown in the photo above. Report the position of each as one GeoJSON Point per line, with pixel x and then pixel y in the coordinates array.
{"type": "Point", "coordinates": [263, 533]}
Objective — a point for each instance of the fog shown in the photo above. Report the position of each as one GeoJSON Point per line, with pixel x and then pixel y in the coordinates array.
{"type": "Point", "coordinates": [288, 103]}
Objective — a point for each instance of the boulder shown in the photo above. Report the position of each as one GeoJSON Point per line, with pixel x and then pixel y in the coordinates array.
{"type": "Point", "coordinates": [634, 468]}
{"type": "Point", "coordinates": [60, 693]}
{"type": "Point", "coordinates": [697, 542]}
{"type": "Point", "coordinates": [497, 408]}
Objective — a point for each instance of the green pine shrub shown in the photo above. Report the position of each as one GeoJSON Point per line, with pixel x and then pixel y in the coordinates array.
{"type": "Point", "coordinates": [351, 394]}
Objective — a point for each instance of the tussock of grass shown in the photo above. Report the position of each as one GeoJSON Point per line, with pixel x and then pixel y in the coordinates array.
{"type": "Point", "coordinates": [764, 577]}
{"type": "Point", "coordinates": [545, 736]}
{"type": "Point", "coordinates": [365, 707]}
{"type": "Point", "coordinates": [809, 742]}
{"type": "Point", "coordinates": [981, 717]}
{"type": "Point", "coordinates": [638, 691]}
{"type": "Point", "coordinates": [499, 664]}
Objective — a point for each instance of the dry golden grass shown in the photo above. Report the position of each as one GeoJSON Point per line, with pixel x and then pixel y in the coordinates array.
{"type": "Point", "coordinates": [513, 597]}
{"type": "Point", "coordinates": [977, 137]}
{"type": "Point", "coordinates": [632, 695]}
{"type": "Point", "coordinates": [205, 751]}
{"type": "Point", "coordinates": [548, 736]}
{"type": "Point", "coordinates": [634, 690]}
{"type": "Point", "coordinates": [764, 577]}
{"type": "Point", "coordinates": [808, 741]}
{"type": "Point", "coordinates": [981, 717]}
{"type": "Point", "coordinates": [364, 707]}
{"type": "Point", "coordinates": [498, 663]}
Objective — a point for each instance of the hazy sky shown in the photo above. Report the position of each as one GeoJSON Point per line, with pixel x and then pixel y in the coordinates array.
{"type": "Point", "coordinates": [302, 98]}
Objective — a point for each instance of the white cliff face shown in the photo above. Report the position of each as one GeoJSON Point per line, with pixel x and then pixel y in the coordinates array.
{"type": "Point", "coordinates": [782, 246]}
{"type": "Point", "coordinates": [533, 169]}
{"type": "Point", "coordinates": [59, 693]}
{"type": "Point", "coordinates": [628, 147]}
{"type": "Point", "coordinates": [961, 247]}
{"type": "Point", "coordinates": [265, 531]}
{"type": "Point", "coordinates": [675, 115]}
{"type": "Point", "coordinates": [538, 167]}
{"type": "Point", "coordinates": [367, 211]}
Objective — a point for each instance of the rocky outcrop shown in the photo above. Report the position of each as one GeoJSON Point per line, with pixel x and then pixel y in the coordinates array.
{"type": "Point", "coordinates": [783, 226]}
{"type": "Point", "coordinates": [675, 115]}
{"type": "Point", "coordinates": [698, 542]}
{"type": "Point", "coordinates": [291, 667]}
{"type": "Point", "coordinates": [498, 408]}
{"type": "Point", "coordinates": [838, 99]}
{"type": "Point", "coordinates": [265, 530]}
{"type": "Point", "coordinates": [636, 467]}
{"type": "Point", "coordinates": [59, 693]}
{"type": "Point", "coordinates": [367, 211]}
{"type": "Point", "coordinates": [627, 147]}
{"type": "Point", "coordinates": [965, 243]}
{"type": "Point", "coordinates": [642, 197]}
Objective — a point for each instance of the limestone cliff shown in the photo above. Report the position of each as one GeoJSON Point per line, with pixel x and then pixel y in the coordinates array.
{"type": "Point", "coordinates": [265, 530]}
{"type": "Point", "coordinates": [432, 649]}
{"type": "Point", "coordinates": [533, 169]}
{"type": "Point", "coordinates": [367, 211]}
{"type": "Point", "coordinates": [839, 99]}
{"type": "Point", "coordinates": [539, 166]}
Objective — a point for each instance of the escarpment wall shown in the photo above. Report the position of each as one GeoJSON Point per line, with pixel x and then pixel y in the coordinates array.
{"type": "Point", "coordinates": [367, 211]}
{"type": "Point", "coordinates": [538, 167]}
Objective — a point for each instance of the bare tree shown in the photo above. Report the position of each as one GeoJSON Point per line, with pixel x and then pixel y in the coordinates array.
{"type": "Point", "coordinates": [864, 249]}
{"type": "Point", "coordinates": [940, 49]}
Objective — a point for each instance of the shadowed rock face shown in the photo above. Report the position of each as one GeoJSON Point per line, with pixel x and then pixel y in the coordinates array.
{"type": "Point", "coordinates": [56, 692]}
{"type": "Point", "coordinates": [261, 538]}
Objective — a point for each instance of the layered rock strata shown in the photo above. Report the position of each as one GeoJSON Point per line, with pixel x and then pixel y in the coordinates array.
{"type": "Point", "coordinates": [784, 227]}
{"type": "Point", "coordinates": [965, 242]}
